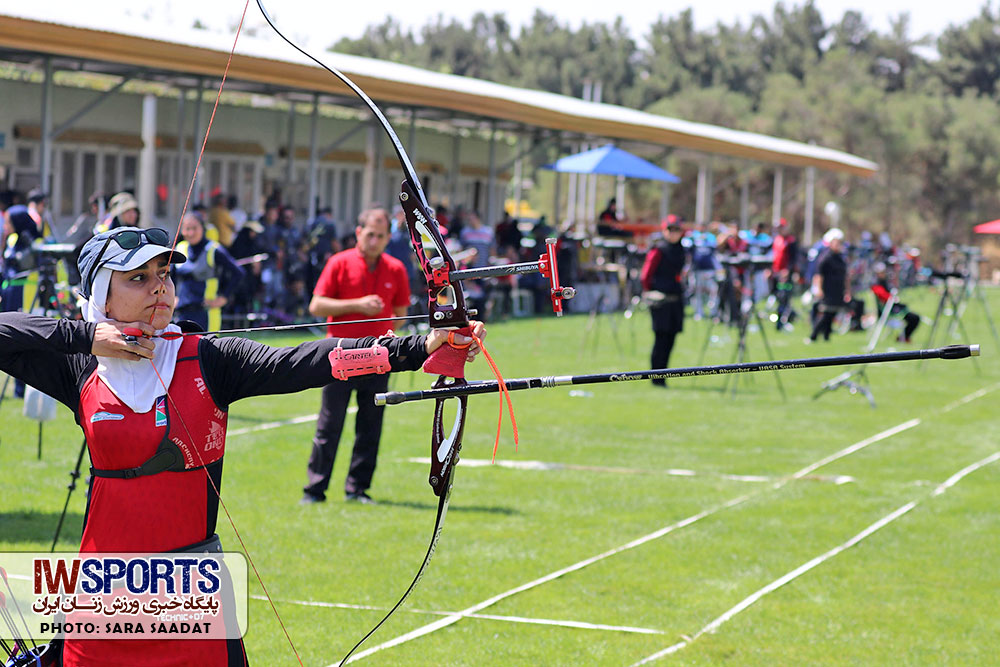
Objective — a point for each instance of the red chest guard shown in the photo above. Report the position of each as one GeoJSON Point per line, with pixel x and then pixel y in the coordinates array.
{"type": "Point", "coordinates": [150, 490]}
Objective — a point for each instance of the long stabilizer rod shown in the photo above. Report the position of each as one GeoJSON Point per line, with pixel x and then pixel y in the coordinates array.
{"type": "Point", "coordinates": [491, 386]}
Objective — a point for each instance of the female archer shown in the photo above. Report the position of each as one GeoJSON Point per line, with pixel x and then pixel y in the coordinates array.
{"type": "Point", "coordinates": [154, 411]}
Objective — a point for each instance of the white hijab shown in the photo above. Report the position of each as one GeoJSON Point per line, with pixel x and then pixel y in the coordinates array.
{"type": "Point", "coordinates": [135, 383]}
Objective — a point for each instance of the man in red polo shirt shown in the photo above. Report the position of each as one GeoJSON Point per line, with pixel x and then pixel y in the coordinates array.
{"type": "Point", "coordinates": [362, 282]}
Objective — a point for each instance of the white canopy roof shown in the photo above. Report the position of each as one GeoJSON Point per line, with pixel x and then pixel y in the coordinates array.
{"type": "Point", "coordinates": [86, 35]}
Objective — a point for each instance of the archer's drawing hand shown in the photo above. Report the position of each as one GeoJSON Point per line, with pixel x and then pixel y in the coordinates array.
{"type": "Point", "coordinates": [109, 341]}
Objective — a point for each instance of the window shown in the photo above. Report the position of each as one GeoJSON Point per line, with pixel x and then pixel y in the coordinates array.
{"type": "Point", "coordinates": [25, 156]}
{"type": "Point", "coordinates": [130, 167]}
{"type": "Point", "coordinates": [89, 177]}
{"type": "Point", "coordinates": [67, 181]}
{"type": "Point", "coordinates": [110, 182]}
{"type": "Point", "coordinates": [341, 200]}
{"type": "Point", "coordinates": [164, 178]}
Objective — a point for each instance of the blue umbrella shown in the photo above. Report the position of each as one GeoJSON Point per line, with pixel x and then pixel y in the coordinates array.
{"type": "Point", "coordinates": [611, 160]}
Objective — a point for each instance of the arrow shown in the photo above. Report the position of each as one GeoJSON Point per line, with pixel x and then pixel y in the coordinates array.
{"type": "Point", "coordinates": [491, 386]}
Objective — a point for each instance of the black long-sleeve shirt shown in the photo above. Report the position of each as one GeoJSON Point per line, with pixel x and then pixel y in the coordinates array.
{"type": "Point", "coordinates": [54, 357]}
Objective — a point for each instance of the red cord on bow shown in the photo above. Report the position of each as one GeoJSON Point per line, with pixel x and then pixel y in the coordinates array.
{"type": "Point", "coordinates": [504, 394]}
{"type": "Point", "coordinates": [449, 360]}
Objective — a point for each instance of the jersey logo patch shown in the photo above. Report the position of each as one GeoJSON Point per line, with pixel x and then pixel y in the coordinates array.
{"type": "Point", "coordinates": [105, 416]}
{"type": "Point", "coordinates": [161, 411]}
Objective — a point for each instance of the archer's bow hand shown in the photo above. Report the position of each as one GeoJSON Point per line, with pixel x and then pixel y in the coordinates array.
{"type": "Point", "coordinates": [110, 340]}
{"type": "Point", "coordinates": [450, 349]}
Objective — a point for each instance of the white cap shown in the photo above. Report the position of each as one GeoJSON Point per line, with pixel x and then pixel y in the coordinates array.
{"type": "Point", "coordinates": [834, 234]}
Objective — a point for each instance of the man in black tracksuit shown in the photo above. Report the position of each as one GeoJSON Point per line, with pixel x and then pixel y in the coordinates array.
{"type": "Point", "coordinates": [830, 284]}
{"type": "Point", "coordinates": [663, 277]}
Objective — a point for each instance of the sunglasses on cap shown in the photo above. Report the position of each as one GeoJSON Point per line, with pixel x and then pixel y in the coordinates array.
{"type": "Point", "coordinates": [129, 239]}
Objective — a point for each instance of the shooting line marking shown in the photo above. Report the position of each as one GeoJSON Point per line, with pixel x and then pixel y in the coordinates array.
{"type": "Point", "coordinates": [459, 615]}
{"type": "Point", "coordinates": [805, 567]}
{"type": "Point", "coordinates": [674, 472]}
{"type": "Point", "coordinates": [266, 426]}
{"type": "Point", "coordinates": [490, 617]}
{"type": "Point", "coordinates": [971, 397]}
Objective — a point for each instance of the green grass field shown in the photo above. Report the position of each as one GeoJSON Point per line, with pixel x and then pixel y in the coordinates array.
{"type": "Point", "coordinates": [717, 562]}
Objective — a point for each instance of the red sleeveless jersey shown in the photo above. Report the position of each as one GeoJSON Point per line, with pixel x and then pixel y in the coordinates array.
{"type": "Point", "coordinates": [152, 513]}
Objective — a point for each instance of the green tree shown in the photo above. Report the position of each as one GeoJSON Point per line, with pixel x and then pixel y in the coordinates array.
{"type": "Point", "coordinates": [792, 40]}
{"type": "Point", "coordinates": [970, 54]}
{"type": "Point", "coordinates": [385, 41]}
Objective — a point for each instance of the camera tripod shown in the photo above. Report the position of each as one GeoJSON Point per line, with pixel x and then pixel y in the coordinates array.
{"type": "Point", "coordinates": [957, 298]}
{"type": "Point", "coordinates": [747, 310]}
{"type": "Point", "coordinates": [73, 476]}
{"type": "Point", "coordinates": [47, 299]}
{"type": "Point", "coordinates": [856, 379]}
{"type": "Point", "coordinates": [50, 301]}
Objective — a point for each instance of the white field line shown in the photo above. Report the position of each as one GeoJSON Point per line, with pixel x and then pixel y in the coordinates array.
{"type": "Point", "coordinates": [457, 616]}
{"type": "Point", "coordinates": [805, 567]}
{"type": "Point", "coordinates": [971, 397]}
{"type": "Point", "coordinates": [674, 472]}
{"type": "Point", "coordinates": [490, 617]}
{"type": "Point", "coordinates": [266, 426]}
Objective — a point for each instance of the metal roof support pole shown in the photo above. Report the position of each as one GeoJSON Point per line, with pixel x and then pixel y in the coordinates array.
{"type": "Point", "coordinates": [195, 143]}
{"type": "Point", "coordinates": [581, 197]}
{"type": "Point", "coordinates": [411, 142]}
{"type": "Point", "coordinates": [592, 195]}
{"type": "Point", "coordinates": [557, 197]}
{"type": "Point", "coordinates": [518, 183]}
{"type": "Point", "coordinates": [582, 181]}
{"type": "Point", "coordinates": [313, 159]}
{"type": "Point", "coordinates": [779, 181]}
{"type": "Point", "coordinates": [177, 191]}
{"type": "Point", "coordinates": [595, 96]}
{"type": "Point", "coordinates": [147, 160]}
{"type": "Point", "coordinates": [807, 233]}
{"type": "Point", "coordinates": [523, 152]}
{"type": "Point", "coordinates": [491, 178]}
{"type": "Point", "coordinates": [703, 202]}
{"type": "Point", "coordinates": [290, 149]}
{"type": "Point", "coordinates": [571, 204]}
{"type": "Point", "coordinates": [745, 199]}
{"type": "Point", "coordinates": [456, 168]}
{"type": "Point", "coordinates": [379, 173]}
{"type": "Point", "coordinates": [620, 196]}
{"type": "Point", "coordinates": [368, 175]}
{"type": "Point", "coordinates": [45, 160]}
{"type": "Point", "coordinates": [664, 199]}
